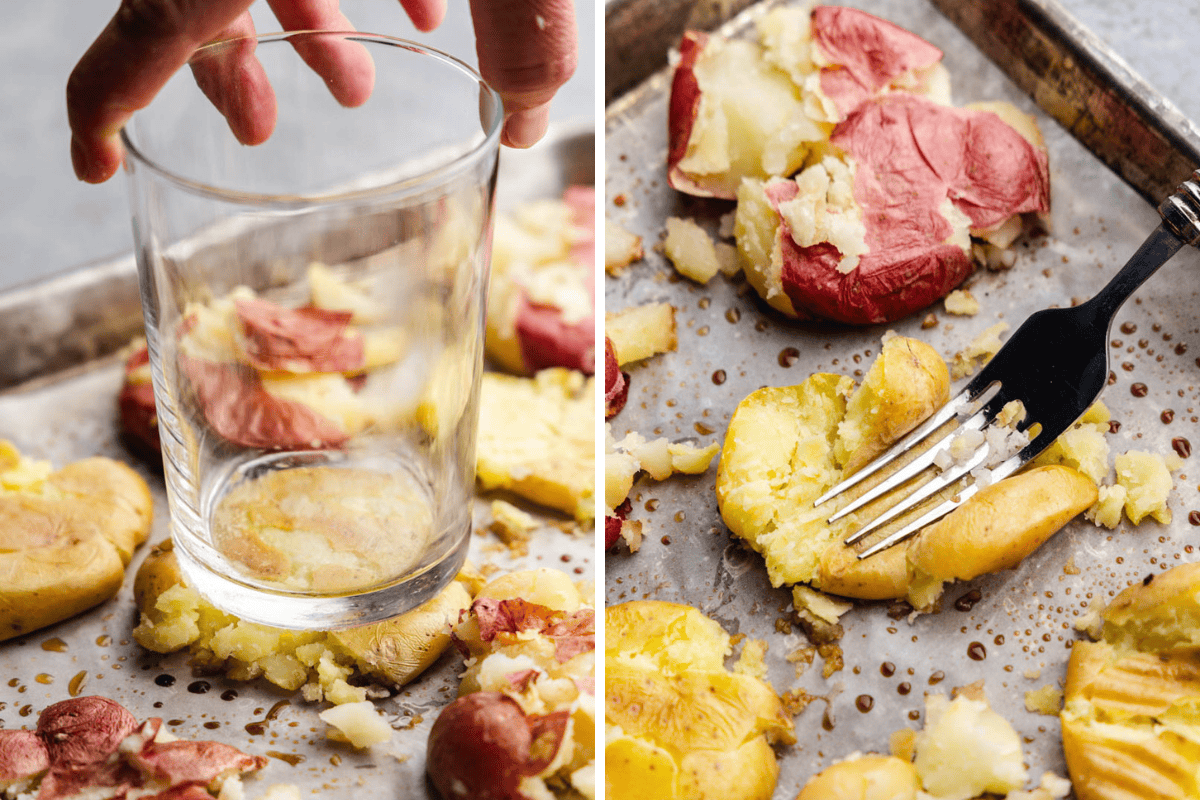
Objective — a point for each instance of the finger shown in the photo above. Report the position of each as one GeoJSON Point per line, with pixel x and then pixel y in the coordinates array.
{"type": "Point", "coordinates": [234, 81]}
{"type": "Point", "coordinates": [143, 45]}
{"type": "Point", "coordinates": [346, 67]}
{"type": "Point", "coordinates": [525, 128]}
{"type": "Point", "coordinates": [425, 14]}
{"type": "Point", "coordinates": [527, 49]}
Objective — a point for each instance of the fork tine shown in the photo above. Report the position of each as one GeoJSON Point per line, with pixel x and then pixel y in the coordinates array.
{"type": "Point", "coordinates": [960, 401]}
{"type": "Point", "coordinates": [946, 478]}
{"type": "Point", "coordinates": [933, 515]}
{"type": "Point", "coordinates": [977, 422]}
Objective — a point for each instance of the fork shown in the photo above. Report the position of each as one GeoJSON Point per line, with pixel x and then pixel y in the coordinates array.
{"type": "Point", "coordinates": [1056, 364]}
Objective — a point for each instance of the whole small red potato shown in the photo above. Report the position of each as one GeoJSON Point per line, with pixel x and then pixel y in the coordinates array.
{"type": "Point", "coordinates": [482, 746]}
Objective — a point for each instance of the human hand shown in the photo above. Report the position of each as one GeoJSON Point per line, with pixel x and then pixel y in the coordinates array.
{"type": "Point", "coordinates": [527, 49]}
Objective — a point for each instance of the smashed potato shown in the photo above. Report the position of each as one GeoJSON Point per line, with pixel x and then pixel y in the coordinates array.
{"type": "Point", "coordinates": [66, 536]}
{"type": "Point", "coordinates": [1131, 719]}
{"type": "Point", "coordinates": [680, 725]}
{"type": "Point", "coordinates": [320, 664]}
{"type": "Point", "coordinates": [785, 446]}
{"type": "Point", "coordinates": [523, 726]}
{"type": "Point", "coordinates": [537, 439]}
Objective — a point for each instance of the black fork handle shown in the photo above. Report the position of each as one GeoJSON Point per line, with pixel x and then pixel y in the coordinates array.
{"type": "Point", "coordinates": [1181, 225]}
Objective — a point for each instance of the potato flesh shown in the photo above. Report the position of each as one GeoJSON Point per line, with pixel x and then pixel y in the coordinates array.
{"type": "Point", "coordinates": [640, 332]}
{"type": "Point", "coordinates": [547, 452]}
{"type": "Point", "coordinates": [750, 121]}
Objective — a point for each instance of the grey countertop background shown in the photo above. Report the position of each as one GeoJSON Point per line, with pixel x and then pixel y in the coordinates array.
{"type": "Point", "coordinates": [51, 223]}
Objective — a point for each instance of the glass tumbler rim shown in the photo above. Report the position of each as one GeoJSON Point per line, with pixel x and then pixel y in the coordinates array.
{"type": "Point", "coordinates": [432, 176]}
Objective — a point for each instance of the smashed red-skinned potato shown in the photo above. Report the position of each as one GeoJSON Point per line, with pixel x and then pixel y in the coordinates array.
{"type": "Point", "coordinates": [862, 194]}
{"type": "Point", "coordinates": [94, 747]}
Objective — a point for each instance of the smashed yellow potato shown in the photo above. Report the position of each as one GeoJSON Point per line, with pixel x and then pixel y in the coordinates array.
{"type": "Point", "coordinates": [320, 664]}
{"type": "Point", "coordinates": [537, 439]}
{"type": "Point", "coordinates": [680, 725]}
{"type": "Point", "coordinates": [66, 536]}
{"type": "Point", "coordinates": [786, 445]}
{"type": "Point", "coordinates": [1131, 718]}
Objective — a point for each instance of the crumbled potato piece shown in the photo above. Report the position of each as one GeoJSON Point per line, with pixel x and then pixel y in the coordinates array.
{"type": "Point", "coordinates": [967, 749]}
{"type": "Point", "coordinates": [1107, 509]}
{"type": "Point", "coordinates": [641, 331]}
{"type": "Point", "coordinates": [962, 303]}
{"type": "Point", "coordinates": [978, 352]}
{"type": "Point", "coordinates": [621, 248]}
{"type": "Point", "coordinates": [659, 458]}
{"type": "Point", "coordinates": [691, 250]}
{"type": "Point", "coordinates": [752, 660]}
{"type": "Point", "coordinates": [1147, 482]}
{"type": "Point", "coordinates": [1046, 700]}
{"type": "Point", "coordinates": [360, 724]}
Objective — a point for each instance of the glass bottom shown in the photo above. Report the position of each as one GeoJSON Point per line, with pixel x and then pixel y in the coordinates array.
{"type": "Point", "coordinates": [312, 612]}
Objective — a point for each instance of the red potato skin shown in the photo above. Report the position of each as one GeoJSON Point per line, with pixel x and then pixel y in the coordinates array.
{"type": "Point", "coordinates": [77, 747]}
{"type": "Point", "coordinates": [616, 382]}
{"type": "Point", "coordinates": [545, 339]}
{"type": "Point", "coordinates": [483, 744]}
{"type": "Point", "coordinates": [866, 53]}
{"type": "Point", "coordinates": [912, 155]}
{"type": "Point", "coordinates": [22, 755]}
{"type": "Point", "coordinates": [135, 405]}
{"type": "Point", "coordinates": [681, 116]}
{"type": "Point", "coordinates": [239, 409]}
{"type": "Point", "coordinates": [299, 339]}
{"type": "Point", "coordinates": [885, 286]}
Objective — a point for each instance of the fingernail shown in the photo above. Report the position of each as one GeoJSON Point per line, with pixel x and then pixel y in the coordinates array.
{"type": "Point", "coordinates": [526, 128]}
{"type": "Point", "coordinates": [78, 159]}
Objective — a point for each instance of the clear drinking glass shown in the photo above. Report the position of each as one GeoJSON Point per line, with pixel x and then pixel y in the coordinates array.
{"type": "Point", "coordinates": [314, 314]}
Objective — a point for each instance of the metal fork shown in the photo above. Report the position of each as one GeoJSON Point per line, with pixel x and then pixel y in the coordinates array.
{"type": "Point", "coordinates": [1056, 364]}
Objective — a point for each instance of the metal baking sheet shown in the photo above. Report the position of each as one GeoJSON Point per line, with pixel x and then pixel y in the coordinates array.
{"type": "Point", "coordinates": [61, 375]}
{"type": "Point", "coordinates": [1023, 619]}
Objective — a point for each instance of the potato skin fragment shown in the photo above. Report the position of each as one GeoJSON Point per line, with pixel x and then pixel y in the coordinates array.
{"type": "Point", "coordinates": [1002, 524]}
